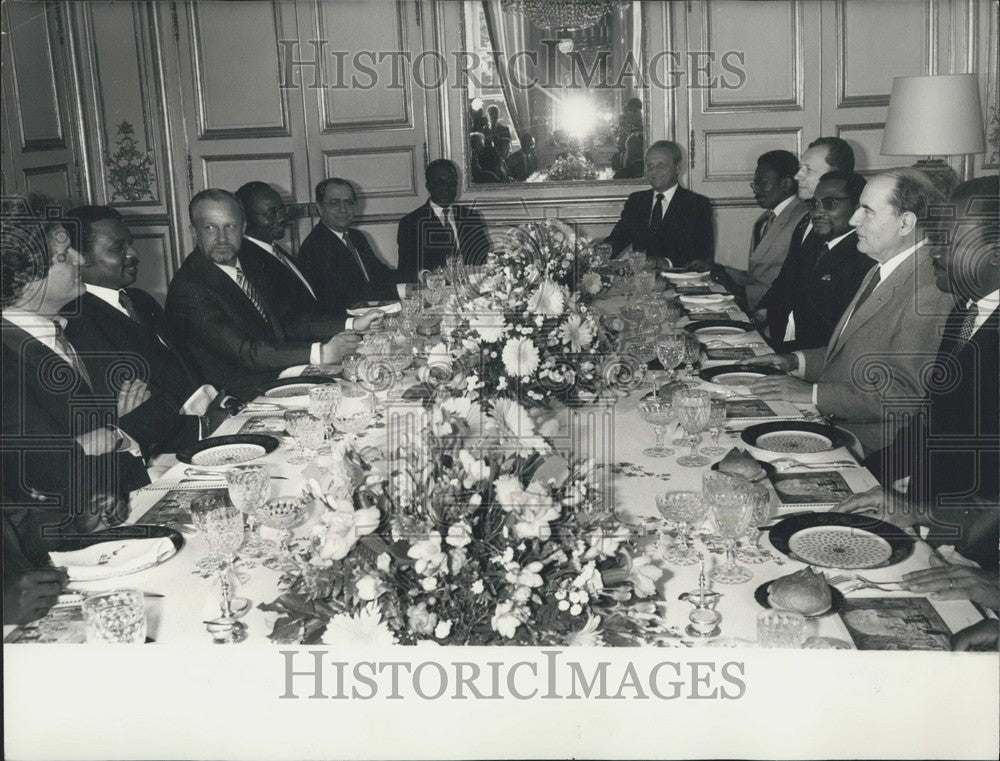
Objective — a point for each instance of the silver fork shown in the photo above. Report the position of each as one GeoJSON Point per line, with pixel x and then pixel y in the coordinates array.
{"type": "Point", "coordinates": [885, 586]}
{"type": "Point", "coordinates": [790, 462]}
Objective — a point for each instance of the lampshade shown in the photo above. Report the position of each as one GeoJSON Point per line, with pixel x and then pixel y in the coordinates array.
{"type": "Point", "coordinates": [934, 116]}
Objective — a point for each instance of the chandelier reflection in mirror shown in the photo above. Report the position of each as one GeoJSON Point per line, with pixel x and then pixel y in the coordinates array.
{"type": "Point", "coordinates": [557, 93]}
{"type": "Point", "coordinates": [565, 14]}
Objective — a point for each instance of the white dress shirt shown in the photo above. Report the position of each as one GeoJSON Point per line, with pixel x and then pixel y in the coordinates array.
{"type": "Point", "coordinates": [986, 306]}
{"type": "Point", "coordinates": [668, 196]}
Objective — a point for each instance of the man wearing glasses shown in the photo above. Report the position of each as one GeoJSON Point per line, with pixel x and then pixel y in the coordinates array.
{"type": "Point", "coordinates": [774, 189]}
{"type": "Point", "coordinates": [819, 279]}
{"type": "Point", "coordinates": [337, 259]}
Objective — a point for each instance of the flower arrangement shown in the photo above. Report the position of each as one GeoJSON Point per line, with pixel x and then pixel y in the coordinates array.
{"type": "Point", "coordinates": [574, 166]}
{"type": "Point", "coordinates": [471, 532]}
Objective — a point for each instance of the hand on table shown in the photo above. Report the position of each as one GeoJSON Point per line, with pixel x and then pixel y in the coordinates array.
{"type": "Point", "coordinates": [783, 387]}
{"type": "Point", "coordinates": [131, 395]}
{"type": "Point", "coordinates": [948, 581]}
{"type": "Point", "coordinates": [982, 636]}
{"type": "Point", "coordinates": [880, 504]}
{"type": "Point", "coordinates": [784, 362]}
{"type": "Point", "coordinates": [371, 320]}
{"type": "Point", "coordinates": [103, 510]}
{"type": "Point", "coordinates": [28, 595]}
{"type": "Point", "coordinates": [338, 347]}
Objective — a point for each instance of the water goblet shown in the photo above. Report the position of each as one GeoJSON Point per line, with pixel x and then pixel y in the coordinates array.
{"type": "Point", "coordinates": [308, 432]}
{"type": "Point", "coordinates": [655, 313]}
{"type": "Point", "coordinates": [732, 507]}
{"type": "Point", "coordinates": [670, 351]}
{"type": "Point", "coordinates": [249, 488]}
{"type": "Point", "coordinates": [224, 534]}
{"type": "Point", "coordinates": [686, 509]}
{"type": "Point", "coordinates": [716, 422]}
{"type": "Point", "coordinates": [350, 364]}
{"type": "Point", "coordinates": [324, 401]}
{"type": "Point", "coordinates": [645, 282]}
{"type": "Point", "coordinates": [657, 413]}
{"type": "Point", "coordinates": [781, 628]}
{"type": "Point", "coordinates": [356, 412]}
{"type": "Point", "coordinates": [749, 550]}
{"type": "Point", "coordinates": [115, 617]}
{"type": "Point", "coordinates": [693, 408]}
{"type": "Point", "coordinates": [692, 355]}
{"type": "Point", "coordinates": [200, 508]}
{"type": "Point", "coordinates": [673, 311]}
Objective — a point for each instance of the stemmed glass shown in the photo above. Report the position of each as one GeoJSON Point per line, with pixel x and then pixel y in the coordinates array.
{"type": "Point", "coordinates": [750, 551]}
{"type": "Point", "coordinates": [356, 412]}
{"type": "Point", "coordinates": [309, 433]}
{"type": "Point", "coordinates": [692, 354]}
{"type": "Point", "coordinates": [351, 363]}
{"type": "Point", "coordinates": [716, 422]}
{"type": "Point", "coordinates": [673, 311]}
{"type": "Point", "coordinates": [249, 488]}
{"type": "Point", "coordinates": [324, 401]}
{"type": "Point", "coordinates": [657, 413]}
{"type": "Point", "coordinates": [732, 506]}
{"type": "Point", "coordinates": [645, 282]}
{"type": "Point", "coordinates": [670, 351]}
{"type": "Point", "coordinates": [224, 534]}
{"type": "Point", "coordinates": [693, 408]}
{"type": "Point", "coordinates": [282, 514]}
{"type": "Point", "coordinates": [686, 509]}
{"type": "Point", "coordinates": [655, 314]}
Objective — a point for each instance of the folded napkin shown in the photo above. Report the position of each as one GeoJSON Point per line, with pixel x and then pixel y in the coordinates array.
{"type": "Point", "coordinates": [116, 558]}
{"type": "Point", "coordinates": [392, 308]}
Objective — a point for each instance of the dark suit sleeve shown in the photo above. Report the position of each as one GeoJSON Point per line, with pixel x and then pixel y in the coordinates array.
{"type": "Point", "coordinates": [621, 236]}
{"type": "Point", "coordinates": [476, 243]}
{"type": "Point", "coordinates": [198, 313]}
{"type": "Point", "coordinates": [702, 231]}
{"type": "Point", "coordinates": [406, 246]}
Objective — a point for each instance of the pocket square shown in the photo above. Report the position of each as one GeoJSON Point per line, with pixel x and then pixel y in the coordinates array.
{"type": "Point", "coordinates": [825, 277]}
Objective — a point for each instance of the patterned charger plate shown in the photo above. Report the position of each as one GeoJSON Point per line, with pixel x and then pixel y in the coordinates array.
{"type": "Point", "coordinates": [228, 450]}
{"type": "Point", "coordinates": [841, 540]}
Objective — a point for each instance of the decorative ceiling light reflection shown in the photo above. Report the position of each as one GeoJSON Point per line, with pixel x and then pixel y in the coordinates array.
{"type": "Point", "coordinates": [560, 14]}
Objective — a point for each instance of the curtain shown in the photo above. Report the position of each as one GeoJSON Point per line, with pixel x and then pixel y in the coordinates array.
{"type": "Point", "coordinates": [507, 36]}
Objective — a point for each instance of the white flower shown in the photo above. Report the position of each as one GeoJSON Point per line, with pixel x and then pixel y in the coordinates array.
{"type": "Point", "coordinates": [458, 560]}
{"type": "Point", "coordinates": [438, 355]}
{"type": "Point", "coordinates": [443, 629]}
{"type": "Point", "coordinates": [516, 428]}
{"type": "Point", "coordinates": [478, 587]}
{"type": "Point", "coordinates": [341, 527]}
{"type": "Point", "coordinates": [601, 544]}
{"type": "Point", "coordinates": [383, 562]}
{"type": "Point", "coordinates": [430, 558]}
{"type": "Point", "coordinates": [475, 470]}
{"type": "Point", "coordinates": [576, 333]}
{"type": "Point", "coordinates": [368, 587]}
{"type": "Point", "coordinates": [429, 583]}
{"type": "Point", "coordinates": [506, 619]}
{"type": "Point", "coordinates": [547, 299]}
{"type": "Point", "coordinates": [365, 627]}
{"type": "Point", "coordinates": [489, 326]}
{"type": "Point", "coordinates": [590, 283]}
{"type": "Point", "coordinates": [420, 619]}
{"type": "Point", "coordinates": [644, 575]}
{"type": "Point", "coordinates": [459, 534]}
{"type": "Point", "coordinates": [520, 357]}
{"type": "Point", "coordinates": [530, 576]}
{"type": "Point", "coordinates": [589, 635]}
{"type": "Point", "coordinates": [508, 490]}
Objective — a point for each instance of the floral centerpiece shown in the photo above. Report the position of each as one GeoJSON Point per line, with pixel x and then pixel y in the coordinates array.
{"type": "Point", "coordinates": [573, 166]}
{"type": "Point", "coordinates": [470, 532]}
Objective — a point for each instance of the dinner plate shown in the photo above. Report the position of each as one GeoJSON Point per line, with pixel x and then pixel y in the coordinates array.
{"type": "Point", "coordinates": [228, 450]}
{"type": "Point", "coordinates": [686, 277]}
{"type": "Point", "coordinates": [718, 328]}
{"type": "Point", "coordinates": [706, 299]}
{"type": "Point", "coordinates": [738, 374]}
{"type": "Point", "coordinates": [836, 599]}
{"type": "Point", "coordinates": [845, 541]}
{"type": "Point", "coordinates": [794, 437]}
{"type": "Point", "coordinates": [99, 568]}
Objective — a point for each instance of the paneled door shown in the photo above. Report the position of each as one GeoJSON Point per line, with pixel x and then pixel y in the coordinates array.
{"type": "Point", "coordinates": [774, 105]}
{"type": "Point", "coordinates": [239, 123]}
{"type": "Point", "coordinates": [366, 105]}
{"type": "Point", "coordinates": [41, 104]}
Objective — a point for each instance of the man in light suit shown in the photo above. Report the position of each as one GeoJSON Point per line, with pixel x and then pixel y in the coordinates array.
{"type": "Point", "coordinates": [337, 259]}
{"type": "Point", "coordinates": [869, 378]}
{"type": "Point", "coordinates": [943, 470]}
{"type": "Point", "coordinates": [236, 337]}
{"type": "Point", "coordinates": [774, 190]}
{"type": "Point", "coordinates": [667, 221]}
{"type": "Point", "coordinates": [824, 154]}
{"type": "Point", "coordinates": [440, 229]}
{"type": "Point", "coordinates": [817, 282]}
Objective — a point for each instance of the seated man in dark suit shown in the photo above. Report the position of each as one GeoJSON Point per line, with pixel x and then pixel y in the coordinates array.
{"type": "Point", "coordinates": [666, 221]}
{"type": "Point", "coordinates": [818, 279]}
{"type": "Point", "coordinates": [337, 259]}
{"type": "Point", "coordinates": [118, 329]}
{"type": "Point", "coordinates": [66, 465]}
{"type": "Point", "coordinates": [440, 228]}
{"type": "Point", "coordinates": [523, 163]}
{"type": "Point", "coordinates": [943, 470]}
{"type": "Point", "coordinates": [233, 334]}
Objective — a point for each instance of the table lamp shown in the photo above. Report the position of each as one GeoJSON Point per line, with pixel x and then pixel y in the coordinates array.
{"type": "Point", "coordinates": [934, 116]}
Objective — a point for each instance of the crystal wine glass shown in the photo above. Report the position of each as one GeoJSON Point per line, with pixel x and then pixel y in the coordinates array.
{"type": "Point", "coordinates": [350, 364]}
{"type": "Point", "coordinates": [686, 509]}
{"type": "Point", "coordinates": [693, 408]}
{"type": "Point", "coordinates": [357, 411]}
{"type": "Point", "coordinates": [224, 534]}
{"type": "Point", "coordinates": [655, 313]}
{"type": "Point", "coordinates": [692, 355]}
{"type": "Point", "coordinates": [324, 401]}
{"type": "Point", "coordinates": [716, 422]}
{"type": "Point", "coordinates": [282, 514]}
{"type": "Point", "coordinates": [673, 310]}
{"type": "Point", "coordinates": [309, 433]}
{"type": "Point", "coordinates": [750, 551]}
{"type": "Point", "coordinates": [249, 488]}
{"type": "Point", "coordinates": [670, 351]}
{"type": "Point", "coordinates": [657, 413]}
{"type": "Point", "coordinates": [732, 507]}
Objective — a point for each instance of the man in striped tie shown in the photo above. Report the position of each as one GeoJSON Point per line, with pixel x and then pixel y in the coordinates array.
{"type": "Point", "coordinates": [233, 333]}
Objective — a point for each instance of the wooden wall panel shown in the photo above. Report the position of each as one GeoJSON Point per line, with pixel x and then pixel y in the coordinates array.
{"type": "Point", "coordinates": [50, 181]}
{"type": "Point", "coordinates": [382, 172]}
{"type": "Point", "coordinates": [731, 155]}
{"type": "Point", "coordinates": [153, 243]}
{"type": "Point", "coordinates": [230, 172]}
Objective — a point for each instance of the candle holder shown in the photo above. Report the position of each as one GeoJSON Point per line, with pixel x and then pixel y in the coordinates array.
{"type": "Point", "coordinates": [704, 618]}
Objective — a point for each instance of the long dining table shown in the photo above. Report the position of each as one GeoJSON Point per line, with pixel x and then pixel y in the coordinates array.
{"type": "Point", "coordinates": [190, 590]}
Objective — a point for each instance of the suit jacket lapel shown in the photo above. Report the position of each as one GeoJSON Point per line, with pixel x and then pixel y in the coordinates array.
{"type": "Point", "coordinates": [775, 229]}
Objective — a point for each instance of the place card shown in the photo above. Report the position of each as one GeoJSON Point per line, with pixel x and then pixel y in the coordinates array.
{"type": "Point", "coordinates": [815, 488]}
{"type": "Point", "coordinates": [175, 505]}
{"type": "Point", "coordinates": [729, 352]}
{"type": "Point", "coordinates": [895, 623]}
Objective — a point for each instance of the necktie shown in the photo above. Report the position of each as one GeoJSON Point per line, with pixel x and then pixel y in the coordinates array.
{"type": "Point", "coordinates": [655, 217]}
{"type": "Point", "coordinates": [968, 325]}
{"type": "Point", "coordinates": [251, 293]}
{"type": "Point", "coordinates": [357, 257]}
{"type": "Point", "coordinates": [760, 227]}
{"type": "Point", "coordinates": [868, 290]}
{"type": "Point", "coordinates": [128, 305]}
{"type": "Point", "coordinates": [71, 356]}
{"type": "Point", "coordinates": [446, 213]}
{"type": "Point", "coordinates": [285, 258]}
